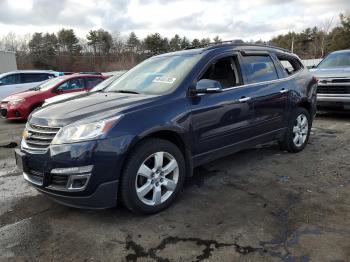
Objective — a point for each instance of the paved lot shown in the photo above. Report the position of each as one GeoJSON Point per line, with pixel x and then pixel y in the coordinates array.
{"type": "Point", "coordinates": [259, 205]}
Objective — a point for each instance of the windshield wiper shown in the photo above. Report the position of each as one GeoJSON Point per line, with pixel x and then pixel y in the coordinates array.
{"type": "Point", "coordinates": [126, 91]}
{"type": "Point", "coordinates": [37, 88]}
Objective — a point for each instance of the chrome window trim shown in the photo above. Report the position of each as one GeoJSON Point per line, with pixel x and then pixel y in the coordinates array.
{"type": "Point", "coordinates": [263, 82]}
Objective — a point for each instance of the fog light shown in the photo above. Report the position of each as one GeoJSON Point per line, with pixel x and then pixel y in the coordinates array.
{"type": "Point", "coordinates": [77, 177]}
{"type": "Point", "coordinates": [79, 182]}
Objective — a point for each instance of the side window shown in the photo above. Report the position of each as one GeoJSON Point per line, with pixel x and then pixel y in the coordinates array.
{"type": "Point", "coordinates": [77, 83]}
{"type": "Point", "coordinates": [11, 79]}
{"type": "Point", "coordinates": [91, 82]}
{"type": "Point", "coordinates": [225, 70]}
{"type": "Point", "coordinates": [291, 65]}
{"type": "Point", "coordinates": [259, 68]}
{"type": "Point", "coordinates": [36, 77]}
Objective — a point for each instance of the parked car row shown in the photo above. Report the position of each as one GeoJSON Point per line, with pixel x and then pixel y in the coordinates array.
{"type": "Point", "coordinates": [19, 81]}
{"type": "Point", "coordinates": [137, 138]}
{"type": "Point", "coordinates": [20, 105]}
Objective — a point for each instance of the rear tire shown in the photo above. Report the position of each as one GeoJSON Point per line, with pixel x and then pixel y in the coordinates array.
{"type": "Point", "coordinates": [298, 132]}
{"type": "Point", "coordinates": [153, 176]}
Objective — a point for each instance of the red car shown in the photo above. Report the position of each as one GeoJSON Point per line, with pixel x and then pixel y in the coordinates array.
{"type": "Point", "coordinates": [20, 105]}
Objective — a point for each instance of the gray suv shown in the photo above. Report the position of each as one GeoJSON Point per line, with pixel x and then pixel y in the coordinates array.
{"type": "Point", "coordinates": [333, 74]}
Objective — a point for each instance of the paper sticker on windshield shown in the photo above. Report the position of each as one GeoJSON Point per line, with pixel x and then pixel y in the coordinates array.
{"type": "Point", "coordinates": [164, 79]}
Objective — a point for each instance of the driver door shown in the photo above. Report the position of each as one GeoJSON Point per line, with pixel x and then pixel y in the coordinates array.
{"type": "Point", "coordinates": [72, 85]}
{"type": "Point", "coordinates": [220, 120]}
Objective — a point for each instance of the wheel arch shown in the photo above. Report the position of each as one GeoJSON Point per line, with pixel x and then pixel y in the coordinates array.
{"type": "Point", "coordinates": [306, 105]}
{"type": "Point", "coordinates": [172, 136]}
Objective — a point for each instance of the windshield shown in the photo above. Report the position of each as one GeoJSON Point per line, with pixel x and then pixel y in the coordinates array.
{"type": "Point", "coordinates": [105, 83]}
{"type": "Point", "coordinates": [48, 84]}
{"type": "Point", "coordinates": [156, 75]}
{"type": "Point", "coordinates": [336, 60]}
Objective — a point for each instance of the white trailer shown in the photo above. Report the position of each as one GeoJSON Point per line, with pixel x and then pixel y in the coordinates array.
{"type": "Point", "coordinates": [7, 61]}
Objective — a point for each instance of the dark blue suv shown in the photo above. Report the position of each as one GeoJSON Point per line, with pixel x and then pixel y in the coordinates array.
{"type": "Point", "coordinates": [138, 139]}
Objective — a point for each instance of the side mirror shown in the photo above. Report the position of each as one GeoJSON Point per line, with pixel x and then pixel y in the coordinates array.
{"type": "Point", "coordinates": [0, 83]}
{"type": "Point", "coordinates": [207, 86]}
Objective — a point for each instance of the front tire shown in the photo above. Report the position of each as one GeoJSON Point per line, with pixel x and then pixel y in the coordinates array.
{"type": "Point", "coordinates": [153, 176]}
{"type": "Point", "coordinates": [298, 131]}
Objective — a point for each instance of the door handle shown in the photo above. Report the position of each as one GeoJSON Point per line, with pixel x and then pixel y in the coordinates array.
{"type": "Point", "coordinates": [244, 99]}
{"type": "Point", "coordinates": [284, 91]}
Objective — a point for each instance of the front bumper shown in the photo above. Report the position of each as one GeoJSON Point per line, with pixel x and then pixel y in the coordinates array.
{"type": "Point", "coordinates": [13, 112]}
{"type": "Point", "coordinates": [100, 190]}
{"type": "Point", "coordinates": [333, 101]}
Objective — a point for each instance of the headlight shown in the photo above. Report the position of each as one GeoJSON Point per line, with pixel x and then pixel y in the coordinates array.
{"type": "Point", "coordinates": [74, 133]}
{"type": "Point", "coordinates": [16, 101]}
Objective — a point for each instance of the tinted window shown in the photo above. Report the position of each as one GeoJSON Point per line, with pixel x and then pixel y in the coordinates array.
{"type": "Point", "coordinates": [91, 82]}
{"type": "Point", "coordinates": [259, 68]}
{"type": "Point", "coordinates": [224, 70]}
{"type": "Point", "coordinates": [11, 79]}
{"type": "Point", "coordinates": [76, 83]}
{"type": "Point", "coordinates": [39, 77]}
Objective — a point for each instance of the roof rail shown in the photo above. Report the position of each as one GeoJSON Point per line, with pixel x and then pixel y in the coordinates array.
{"type": "Point", "coordinates": [236, 42]}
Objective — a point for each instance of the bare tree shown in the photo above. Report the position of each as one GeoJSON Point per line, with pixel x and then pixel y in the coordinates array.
{"type": "Point", "coordinates": [326, 26]}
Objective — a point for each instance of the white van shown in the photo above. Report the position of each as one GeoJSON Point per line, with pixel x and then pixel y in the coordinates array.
{"type": "Point", "coordinates": [22, 80]}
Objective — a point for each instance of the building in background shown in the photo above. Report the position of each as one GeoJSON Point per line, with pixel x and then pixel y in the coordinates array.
{"type": "Point", "coordinates": [7, 61]}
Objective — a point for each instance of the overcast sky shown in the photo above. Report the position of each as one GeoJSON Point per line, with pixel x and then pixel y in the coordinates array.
{"type": "Point", "coordinates": [230, 19]}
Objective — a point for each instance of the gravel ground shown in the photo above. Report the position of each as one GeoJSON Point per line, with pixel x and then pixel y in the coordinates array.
{"type": "Point", "coordinates": [262, 204]}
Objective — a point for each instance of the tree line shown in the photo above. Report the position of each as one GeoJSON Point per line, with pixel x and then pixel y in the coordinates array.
{"type": "Point", "coordinates": [105, 51]}
{"type": "Point", "coordinates": [317, 42]}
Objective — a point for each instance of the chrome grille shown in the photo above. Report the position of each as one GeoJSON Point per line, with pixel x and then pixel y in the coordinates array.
{"type": "Point", "coordinates": [39, 137]}
{"type": "Point", "coordinates": [333, 89]}
{"type": "Point", "coordinates": [333, 86]}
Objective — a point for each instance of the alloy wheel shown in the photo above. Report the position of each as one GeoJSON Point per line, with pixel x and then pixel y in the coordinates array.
{"type": "Point", "coordinates": [157, 178]}
{"type": "Point", "coordinates": [300, 130]}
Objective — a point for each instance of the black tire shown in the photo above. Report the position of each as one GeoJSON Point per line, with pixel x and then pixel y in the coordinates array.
{"type": "Point", "coordinates": [287, 143]}
{"type": "Point", "coordinates": [137, 157]}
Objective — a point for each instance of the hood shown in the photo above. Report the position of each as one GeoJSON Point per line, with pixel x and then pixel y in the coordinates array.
{"type": "Point", "coordinates": [24, 94]}
{"type": "Point", "coordinates": [64, 97]}
{"type": "Point", "coordinates": [92, 106]}
{"type": "Point", "coordinates": [331, 72]}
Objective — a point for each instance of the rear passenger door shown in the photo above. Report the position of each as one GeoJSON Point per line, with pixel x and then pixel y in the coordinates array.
{"type": "Point", "coordinates": [271, 94]}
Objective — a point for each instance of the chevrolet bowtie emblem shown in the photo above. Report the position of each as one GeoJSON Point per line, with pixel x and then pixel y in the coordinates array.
{"type": "Point", "coordinates": [26, 135]}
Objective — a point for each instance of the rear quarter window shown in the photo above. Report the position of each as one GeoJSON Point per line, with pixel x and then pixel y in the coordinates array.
{"type": "Point", "coordinates": [259, 68]}
{"type": "Point", "coordinates": [291, 65]}
{"type": "Point", "coordinates": [35, 77]}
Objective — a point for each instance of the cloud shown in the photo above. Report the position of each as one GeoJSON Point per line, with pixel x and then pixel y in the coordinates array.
{"type": "Point", "coordinates": [252, 19]}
